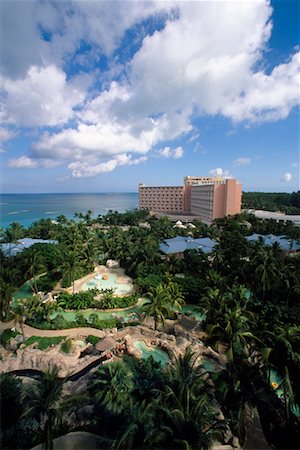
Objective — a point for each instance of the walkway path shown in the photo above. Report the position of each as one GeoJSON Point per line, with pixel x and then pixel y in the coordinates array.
{"type": "Point", "coordinates": [70, 332]}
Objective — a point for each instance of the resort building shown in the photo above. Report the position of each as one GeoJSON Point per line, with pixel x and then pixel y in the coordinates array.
{"type": "Point", "coordinates": [203, 198]}
{"type": "Point", "coordinates": [161, 198]}
{"type": "Point", "coordinates": [286, 244]}
{"type": "Point", "coordinates": [179, 244]}
{"type": "Point", "coordinates": [13, 248]}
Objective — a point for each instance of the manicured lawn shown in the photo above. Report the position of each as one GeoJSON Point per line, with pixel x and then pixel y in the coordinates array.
{"type": "Point", "coordinates": [44, 342]}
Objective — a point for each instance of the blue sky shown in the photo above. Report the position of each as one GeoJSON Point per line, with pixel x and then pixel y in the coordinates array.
{"type": "Point", "coordinates": [99, 96]}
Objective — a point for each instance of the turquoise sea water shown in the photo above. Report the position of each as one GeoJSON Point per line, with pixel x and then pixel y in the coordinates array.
{"type": "Point", "coordinates": [27, 208]}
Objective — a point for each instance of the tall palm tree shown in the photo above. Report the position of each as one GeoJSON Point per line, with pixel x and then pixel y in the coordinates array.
{"type": "Point", "coordinates": [20, 313]}
{"type": "Point", "coordinates": [35, 266]}
{"type": "Point", "coordinates": [234, 332]}
{"type": "Point", "coordinates": [176, 298]}
{"type": "Point", "coordinates": [139, 428]}
{"type": "Point", "coordinates": [6, 291]}
{"type": "Point", "coordinates": [266, 270]}
{"type": "Point", "coordinates": [45, 400]}
{"type": "Point", "coordinates": [70, 267]}
{"type": "Point", "coordinates": [282, 354]}
{"type": "Point", "coordinates": [113, 386]}
{"type": "Point", "coordinates": [188, 415]}
{"type": "Point", "coordinates": [158, 305]}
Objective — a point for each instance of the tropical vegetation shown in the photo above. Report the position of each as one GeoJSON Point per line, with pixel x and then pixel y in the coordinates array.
{"type": "Point", "coordinates": [248, 293]}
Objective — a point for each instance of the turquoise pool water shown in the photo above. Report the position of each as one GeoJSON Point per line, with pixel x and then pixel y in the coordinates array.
{"type": "Point", "coordinates": [110, 283]}
{"type": "Point", "coordinates": [193, 311]}
{"type": "Point", "coordinates": [157, 354]}
{"type": "Point", "coordinates": [24, 291]}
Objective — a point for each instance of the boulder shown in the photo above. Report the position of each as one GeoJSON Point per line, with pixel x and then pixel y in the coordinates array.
{"type": "Point", "coordinates": [112, 264]}
{"type": "Point", "coordinates": [79, 440]}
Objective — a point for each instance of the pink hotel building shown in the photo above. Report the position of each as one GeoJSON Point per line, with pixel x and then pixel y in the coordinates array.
{"type": "Point", "coordinates": [204, 198]}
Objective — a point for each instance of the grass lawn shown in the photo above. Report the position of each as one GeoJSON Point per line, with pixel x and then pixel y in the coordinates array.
{"type": "Point", "coordinates": [44, 342]}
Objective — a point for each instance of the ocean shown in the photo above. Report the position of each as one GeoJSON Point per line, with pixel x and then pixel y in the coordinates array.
{"type": "Point", "coordinates": [28, 208]}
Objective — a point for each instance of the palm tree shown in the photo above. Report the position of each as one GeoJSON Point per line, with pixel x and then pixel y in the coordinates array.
{"type": "Point", "coordinates": [140, 427]}
{"type": "Point", "coordinates": [20, 313]}
{"type": "Point", "coordinates": [6, 291]}
{"type": "Point", "coordinates": [176, 298]}
{"type": "Point", "coordinates": [45, 400]}
{"type": "Point", "coordinates": [188, 415]}
{"type": "Point", "coordinates": [158, 306]}
{"type": "Point", "coordinates": [88, 216]}
{"type": "Point", "coordinates": [35, 266]}
{"type": "Point", "coordinates": [113, 386]}
{"type": "Point", "coordinates": [70, 267]}
{"type": "Point", "coordinates": [282, 354]}
{"type": "Point", "coordinates": [267, 271]}
{"type": "Point", "coordinates": [234, 332]}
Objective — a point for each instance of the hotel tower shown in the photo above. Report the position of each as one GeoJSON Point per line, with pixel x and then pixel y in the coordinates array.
{"type": "Point", "coordinates": [204, 198]}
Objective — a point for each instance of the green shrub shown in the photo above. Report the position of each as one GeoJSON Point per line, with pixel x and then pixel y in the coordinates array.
{"type": "Point", "coordinates": [7, 335]}
{"type": "Point", "coordinates": [81, 320]}
{"type": "Point", "coordinates": [59, 323]}
{"type": "Point", "coordinates": [95, 322]}
{"type": "Point", "coordinates": [149, 282]}
{"type": "Point", "coordinates": [80, 300]}
{"type": "Point", "coordinates": [110, 302]}
{"type": "Point", "coordinates": [44, 342]}
{"type": "Point", "coordinates": [92, 339]}
{"type": "Point", "coordinates": [66, 346]}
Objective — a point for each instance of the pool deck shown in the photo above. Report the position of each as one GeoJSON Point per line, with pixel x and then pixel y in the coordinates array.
{"type": "Point", "coordinates": [122, 278]}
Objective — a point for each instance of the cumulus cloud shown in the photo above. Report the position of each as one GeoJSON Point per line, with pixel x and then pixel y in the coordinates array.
{"type": "Point", "coordinates": [286, 177]}
{"type": "Point", "coordinates": [25, 162]}
{"type": "Point", "coordinates": [180, 72]}
{"type": "Point", "coordinates": [168, 152]}
{"type": "Point", "coordinates": [268, 97]}
{"type": "Point", "coordinates": [242, 161]}
{"type": "Point", "coordinates": [219, 172]}
{"type": "Point", "coordinates": [6, 134]}
{"type": "Point", "coordinates": [50, 32]}
{"type": "Point", "coordinates": [43, 97]}
{"type": "Point", "coordinates": [86, 169]}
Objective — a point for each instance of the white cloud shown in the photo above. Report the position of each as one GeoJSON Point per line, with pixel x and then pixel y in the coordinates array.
{"type": "Point", "coordinates": [286, 177]}
{"type": "Point", "coordinates": [219, 172]}
{"type": "Point", "coordinates": [86, 169]}
{"type": "Point", "coordinates": [43, 97]}
{"type": "Point", "coordinates": [295, 165]}
{"type": "Point", "coordinates": [202, 61]}
{"type": "Point", "coordinates": [268, 97]}
{"type": "Point", "coordinates": [25, 162]}
{"type": "Point", "coordinates": [68, 24]}
{"type": "Point", "coordinates": [7, 135]}
{"type": "Point", "coordinates": [168, 152]}
{"type": "Point", "coordinates": [242, 161]}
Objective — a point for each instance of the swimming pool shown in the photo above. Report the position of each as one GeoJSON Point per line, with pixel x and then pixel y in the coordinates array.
{"type": "Point", "coordinates": [110, 283]}
{"type": "Point", "coordinates": [157, 354]}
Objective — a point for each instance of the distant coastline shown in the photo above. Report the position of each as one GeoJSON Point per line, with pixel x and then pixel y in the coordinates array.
{"type": "Point", "coordinates": [28, 208]}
